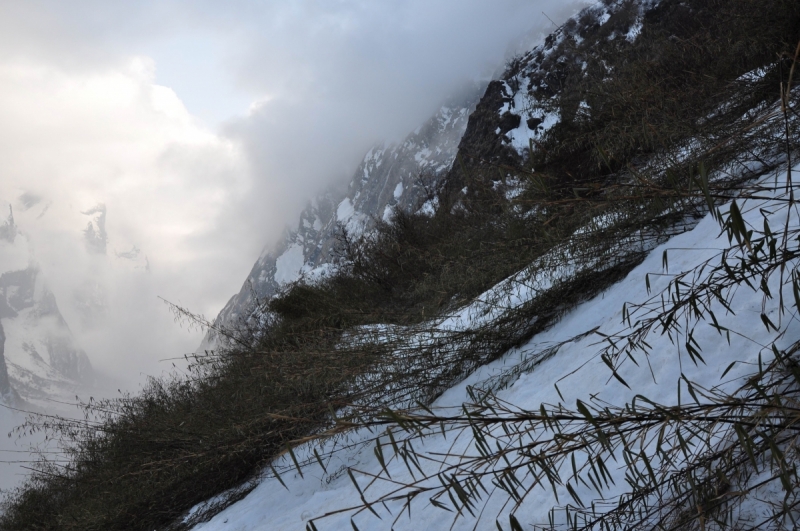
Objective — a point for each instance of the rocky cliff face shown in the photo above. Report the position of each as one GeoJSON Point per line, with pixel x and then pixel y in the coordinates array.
{"type": "Point", "coordinates": [8, 233]}
{"type": "Point", "coordinates": [496, 130]}
{"type": "Point", "coordinates": [39, 357]}
{"type": "Point", "coordinates": [7, 393]}
{"type": "Point", "coordinates": [391, 176]}
{"type": "Point", "coordinates": [534, 94]}
{"type": "Point", "coordinates": [42, 357]}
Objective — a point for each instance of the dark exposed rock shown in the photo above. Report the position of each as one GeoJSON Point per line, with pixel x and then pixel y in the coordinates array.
{"type": "Point", "coordinates": [8, 230]}
{"type": "Point", "coordinates": [5, 385]}
{"type": "Point", "coordinates": [534, 93]}
{"type": "Point", "coordinates": [482, 142]}
{"type": "Point", "coordinates": [7, 393]}
{"type": "Point", "coordinates": [533, 123]}
{"type": "Point", "coordinates": [95, 232]}
{"type": "Point", "coordinates": [17, 288]}
{"type": "Point", "coordinates": [29, 200]}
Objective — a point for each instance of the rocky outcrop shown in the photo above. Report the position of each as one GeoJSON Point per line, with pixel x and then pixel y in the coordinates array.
{"type": "Point", "coordinates": [42, 358]}
{"type": "Point", "coordinates": [490, 122]}
{"type": "Point", "coordinates": [490, 132]}
{"type": "Point", "coordinates": [6, 391]}
{"type": "Point", "coordinates": [94, 235]}
{"type": "Point", "coordinates": [8, 230]}
{"type": "Point", "coordinates": [534, 93]}
{"type": "Point", "coordinates": [391, 176]}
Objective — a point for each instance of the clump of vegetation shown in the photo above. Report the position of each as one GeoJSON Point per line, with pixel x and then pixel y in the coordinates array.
{"type": "Point", "coordinates": [689, 80]}
{"type": "Point", "coordinates": [608, 185]}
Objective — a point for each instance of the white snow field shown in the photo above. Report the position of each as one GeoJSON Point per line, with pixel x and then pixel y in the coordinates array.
{"type": "Point", "coordinates": [579, 373]}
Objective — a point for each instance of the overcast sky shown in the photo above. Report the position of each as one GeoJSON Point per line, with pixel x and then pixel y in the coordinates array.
{"type": "Point", "coordinates": [204, 127]}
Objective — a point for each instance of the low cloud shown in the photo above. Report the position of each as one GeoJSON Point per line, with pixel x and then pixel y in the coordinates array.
{"type": "Point", "coordinates": [85, 119]}
{"type": "Point", "coordinates": [97, 165]}
{"type": "Point", "coordinates": [336, 77]}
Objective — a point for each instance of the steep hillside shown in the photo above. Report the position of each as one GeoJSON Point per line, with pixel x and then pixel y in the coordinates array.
{"type": "Point", "coordinates": [571, 109]}
{"type": "Point", "coordinates": [620, 218]}
{"type": "Point", "coordinates": [8, 233]}
{"type": "Point", "coordinates": [421, 469]}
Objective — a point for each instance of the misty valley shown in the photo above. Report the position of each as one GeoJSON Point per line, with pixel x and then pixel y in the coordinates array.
{"type": "Point", "coordinates": [561, 293]}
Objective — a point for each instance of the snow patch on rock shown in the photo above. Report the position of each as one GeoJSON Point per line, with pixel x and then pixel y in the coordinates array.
{"type": "Point", "coordinates": [345, 210]}
{"type": "Point", "coordinates": [289, 265]}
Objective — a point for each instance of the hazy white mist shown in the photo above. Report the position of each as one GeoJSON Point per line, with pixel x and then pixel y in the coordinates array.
{"type": "Point", "coordinates": [204, 127]}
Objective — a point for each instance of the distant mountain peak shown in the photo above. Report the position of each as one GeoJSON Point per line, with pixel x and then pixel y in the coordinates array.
{"type": "Point", "coordinates": [94, 234]}
{"type": "Point", "coordinates": [40, 359]}
{"type": "Point", "coordinates": [392, 176]}
{"type": "Point", "coordinates": [8, 230]}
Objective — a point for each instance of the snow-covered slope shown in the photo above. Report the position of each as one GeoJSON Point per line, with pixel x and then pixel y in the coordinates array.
{"type": "Point", "coordinates": [562, 365]}
{"type": "Point", "coordinates": [535, 374]}
{"type": "Point", "coordinates": [41, 358]}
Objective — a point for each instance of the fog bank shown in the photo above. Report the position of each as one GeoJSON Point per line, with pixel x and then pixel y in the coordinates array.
{"type": "Point", "coordinates": [199, 130]}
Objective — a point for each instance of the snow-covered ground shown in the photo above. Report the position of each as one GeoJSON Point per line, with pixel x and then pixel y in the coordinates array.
{"type": "Point", "coordinates": [577, 370]}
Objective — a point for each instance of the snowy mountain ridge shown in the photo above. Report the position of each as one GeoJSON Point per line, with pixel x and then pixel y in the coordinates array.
{"type": "Point", "coordinates": [41, 358]}
{"type": "Point", "coordinates": [494, 125]}
{"type": "Point", "coordinates": [391, 176]}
